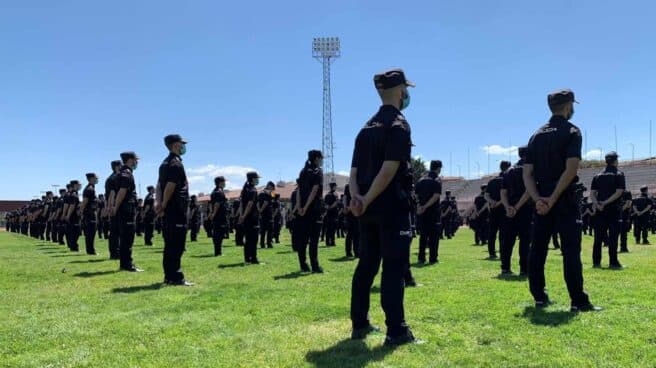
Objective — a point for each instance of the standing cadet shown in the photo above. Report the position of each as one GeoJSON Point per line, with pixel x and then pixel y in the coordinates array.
{"type": "Point", "coordinates": [60, 215]}
{"type": "Point", "coordinates": [276, 208]}
{"type": "Point", "coordinates": [380, 185]}
{"type": "Point", "coordinates": [248, 217]}
{"type": "Point", "coordinates": [586, 214]}
{"type": "Point", "coordinates": [111, 188]}
{"type": "Point", "coordinates": [497, 213]}
{"type": "Point", "coordinates": [89, 209]}
{"type": "Point", "coordinates": [625, 221]}
{"type": "Point", "coordinates": [239, 229]}
{"type": "Point", "coordinates": [101, 216]}
{"type": "Point", "coordinates": [266, 215]}
{"type": "Point", "coordinates": [429, 189]}
{"type": "Point", "coordinates": [481, 212]}
{"type": "Point", "coordinates": [46, 214]}
{"type": "Point", "coordinates": [73, 217]}
{"type": "Point", "coordinates": [606, 193]}
{"type": "Point", "coordinates": [330, 220]}
{"type": "Point", "coordinates": [352, 240]}
{"type": "Point", "coordinates": [149, 215]}
{"type": "Point", "coordinates": [445, 209]}
{"type": "Point", "coordinates": [309, 211]}
{"type": "Point", "coordinates": [125, 209]}
{"type": "Point", "coordinates": [218, 214]}
{"type": "Point", "coordinates": [519, 212]}
{"type": "Point", "coordinates": [552, 160]}
{"type": "Point", "coordinates": [173, 198]}
{"type": "Point", "coordinates": [194, 218]}
{"type": "Point", "coordinates": [642, 207]}
{"type": "Point", "coordinates": [139, 217]}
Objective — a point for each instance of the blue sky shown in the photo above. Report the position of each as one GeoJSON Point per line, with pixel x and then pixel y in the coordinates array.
{"type": "Point", "coordinates": [82, 81]}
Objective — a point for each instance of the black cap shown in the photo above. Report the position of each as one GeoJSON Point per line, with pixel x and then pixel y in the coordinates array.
{"type": "Point", "coordinates": [504, 165]}
{"type": "Point", "coordinates": [271, 184]}
{"type": "Point", "coordinates": [252, 175]}
{"type": "Point", "coordinates": [49, 192]}
{"type": "Point", "coordinates": [611, 156]}
{"type": "Point", "coordinates": [522, 151]}
{"type": "Point", "coordinates": [116, 163]}
{"type": "Point", "coordinates": [173, 138]}
{"type": "Point", "coordinates": [193, 196]}
{"type": "Point", "coordinates": [390, 79]}
{"type": "Point", "coordinates": [560, 97]}
{"type": "Point", "coordinates": [644, 188]}
{"type": "Point", "coordinates": [447, 192]}
{"type": "Point", "coordinates": [128, 155]}
{"type": "Point", "coordinates": [314, 154]}
{"type": "Point", "coordinates": [74, 182]}
{"type": "Point", "coordinates": [62, 190]}
{"type": "Point", "coordinates": [333, 184]}
{"type": "Point", "coordinates": [435, 164]}
{"type": "Point", "coordinates": [91, 175]}
{"type": "Point", "coordinates": [150, 187]}
{"type": "Point", "coordinates": [219, 179]}
{"type": "Point", "coordinates": [484, 186]}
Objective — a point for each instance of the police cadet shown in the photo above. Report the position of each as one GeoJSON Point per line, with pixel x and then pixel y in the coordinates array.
{"type": "Point", "coordinates": [111, 188]}
{"type": "Point", "coordinates": [59, 216]}
{"type": "Point", "coordinates": [194, 218]}
{"type": "Point", "coordinates": [552, 160]}
{"type": "Point", "coordinates": [480, 215]}
{"type": "Point", "coordinates": [276, 208]}
{"type": "Point", "coordinates": [380, 185]}
{"type": "Point", "coordinates": [125, 209]}
{"type": "Point", "coordinates": [292, 216]}
{"type": "Point", "coordinates": [445, 209]}
{"type": "Point", "coordinates": [428, 190]}
{"type": "Point", "coordinates": [519, 213]}
{"type": "Point", "coordinates": [173, 198]}
{"type": "Point", "coordinates": [352, 240]}
{"type": "Point", "coordinates": [308, 204]}
{"type": "Point", "coordinates": [331, 202]}
{"type": "Point", "coordinates": [89, 209]}
{"type": "Point", "coordinates": [48, 209]}
{"type": "Point", "coordinates": [218, 214]}
{"type": "Point", "coordinates": [72, 216]}
{"type": "Point", "coordinates": [497, 213]}
{"type": "Point", "coordinates": [586, 214]}
{"type": "Point", "coordinates": [248, 219]}
{"type": "Point", "coordinates": [239, 229]}
{"type": "Point", "coordinates": [641, 207]}
{"type": "Point", "coordinates": [149, 215]}
{"type": "Point", "coordinates": [605, 194]}
{"type": "Point", "coordinates": [625, 220]}
{"type": "Point", "coordinates": [265, 213]}
{"type": "Point", "coordinates": [101, 216]}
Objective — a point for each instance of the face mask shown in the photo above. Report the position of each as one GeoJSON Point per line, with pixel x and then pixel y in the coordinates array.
{"type": "Point", "coordinates": [134, 167]}
{"type": "Point", "coordinates": [405, 102]}
{"type": "Point", "coordinates": [183, 149]}
{"type": "Point", "coordinates": [571, 113]}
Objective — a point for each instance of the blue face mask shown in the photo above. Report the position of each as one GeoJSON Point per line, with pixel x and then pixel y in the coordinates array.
{"type": "Point", "coordinates": [406, 101]}
{"type": "Point", "coordinates": [183, 149]}
{"type": "Point", "coordinates": [135, 166]}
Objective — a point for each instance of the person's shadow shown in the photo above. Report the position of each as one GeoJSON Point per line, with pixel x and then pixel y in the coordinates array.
{"type": "Point", "coordinates": [291, 275]}
{"type": "Point", "coordinates": [96, 273]}
{"type": "Point", "coordinates": [347, 353]}
{"type": "Point", "coordinates": [134, 289]}
{"type": "Point", "coordinates": [545, 317]}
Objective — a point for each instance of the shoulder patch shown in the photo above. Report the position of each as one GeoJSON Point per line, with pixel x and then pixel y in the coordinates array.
{"type": "Point", "coordinates": [574, 130]}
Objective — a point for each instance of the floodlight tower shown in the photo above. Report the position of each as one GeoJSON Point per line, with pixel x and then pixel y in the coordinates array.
{"type": "Point", "coordinates": [325, 49]}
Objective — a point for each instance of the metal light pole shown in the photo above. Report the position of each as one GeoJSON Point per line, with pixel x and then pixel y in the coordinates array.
{"type": "Point", "coordinates": [325, 49]}
{"type": "Point", "coordinates": [632, 153]}
{"type": "Point", "coordinates": [478, 169]}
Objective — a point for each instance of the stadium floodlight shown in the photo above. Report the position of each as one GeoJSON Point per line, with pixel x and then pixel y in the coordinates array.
{"type": "Point", "coordinates": [325, 49]}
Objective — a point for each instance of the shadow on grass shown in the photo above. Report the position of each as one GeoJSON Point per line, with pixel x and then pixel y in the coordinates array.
{"type": "Point", "coordinates": [232, 265]}
{"type": "Point", "coordinates": [204, 256]}
{"type": "Point", "coordinates": [375, 289]}
{"type": "Point", "coordinates": [291, 275]}
{"type": "Point", "coordinates": [422, 265]}
{"type": "Point", "coordinates": [286, 252]}
{"type": "Point", "coordinates": [92, 274]}
{"type": "Point", "coordinates": [512, 277]}
{"type": "Point", "coordinates": [347, 353]}
{"type": "Point", "coordinates": [342, 259]}
{"type": "Point", "coordinates": [135, 289]}
{"type": "Point", "coordinates": [547, 318]}
{"type": "Point", "coordinates": [68, 254]}
{"type": "Point", "coordinates": [90, 261]}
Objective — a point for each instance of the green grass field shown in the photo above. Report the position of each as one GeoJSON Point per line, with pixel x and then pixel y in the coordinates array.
{"type": "Point", "coordinates": [91, 315]}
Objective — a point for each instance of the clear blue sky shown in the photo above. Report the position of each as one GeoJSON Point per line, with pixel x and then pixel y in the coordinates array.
{"type": "Point", "coordinates": [82, 81]}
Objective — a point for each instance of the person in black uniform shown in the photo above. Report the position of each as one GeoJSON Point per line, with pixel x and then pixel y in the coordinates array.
{"type": "Point", "coordinates": [149, 215]}
{"type": "Point", "coordinates": [641, 207]}
{"type": "Point", "coordinates": [497, 213]}
{"type": "Point", "coordinates": [429, 190]}
{"type": "Point", "coordinates": [340, 233]}
{"type": "Point", "coordinates": [73, 217]}
{"type": "Point", "coordinates": [239, 229]}
{"type": "Point", "coordinates": [586, 213]}
{"type": "Point", "coordinates": [194, 218]}
{"type": "Point", "coordinates": [101, 216]}
{"type": "Point", "coordinates": [309, 211]}
{"type": "Point", "coordinates": [625, 220]}
{"type": "Point", "coordinates": [248, 218]}
{"type": "Point", "coordinates": [352, 240]}
{"type": "Point", "coordinates": [218, 215]}
{"type": "Point", "coordinates": [445, 209]}
{"type": "Point", "coordinates": [276, 208]}
{"type": "Point", "coordinates": [45, 214]}
{"type": "Point", "coordinates": [125, 209]}
{"type": "Point", "coordinates": [605, 193]}
{"type": "Point", "coordinates": [60, 215]}
{"type": "Point", "coordinates": [380, 186]}
{"type": "Point", "coordinates": [480, 216]}
{"type": "Point", "coordinates": [519, 212]}
{"type": "Point", "coordinates": [89, 209]}
{"type": "Point", "coordinates": [173, 198]}
{"type": "Point", "coordinates": [330, 219]}
{"type": "Point", "coordinates": [552, 161]}
{"type": "Point", "coordinates": [292, 216]}
{"type": "Point", "coordinates": [139, 218]}
{"type": "Point", "coordinates": [111, 188]}
{"type": "Point", "coordinates": [265, 213]}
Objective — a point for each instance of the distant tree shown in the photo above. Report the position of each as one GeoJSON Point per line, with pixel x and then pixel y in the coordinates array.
{"type": "Point", "coordinates": [418, 167]}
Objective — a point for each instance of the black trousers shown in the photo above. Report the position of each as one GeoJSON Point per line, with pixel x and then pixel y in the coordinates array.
{"type": "Point", "coordinates": [90, 236]}
{"type": "Point", "coordinates": [72, 235]}
{"type": "Point", "coordinates": [562, 219]}
{"type": "Point", "coordinates": [308, 229]}
{"type": "Point", "coordinates": [352, 241]}
{"type": "Point", "coordinates": [266, 232]}
{"type": "Point", "coordinates": [127, 229]}
{"type": "Point", "coordinates": [387, 238]}
{"type": "Point", "coordinates": [518, 226]}
{"type": "Point", "coordinates": [174, 231]}
{"type": "Point", "coordinates": [640, 228]}
{"type": "Point", "coordinates": [114, 238]}
{"type": "Point", "coordinates": [331, 227]}
{"type": "Point", "coordinates": [194, 227]}
{"type": "Point", "coordinates": [497, 218]}
{"type": "Point", "coordinates": [239, 234]}
{"type": "Point", "coordinates": [218, 234]}
{"type": "Point", "coordinates": [607, 227]}
{"type": "Point", "coordinates": [480, 233]}
{"type": "Point", "coordinates": [429, 237]}
{"type": "Point", "coordinates": [149, 228]}
{"type": "Point", "coordinates": [48, 230]}
{"type": "Point", "coordinates": [277, 225]}
{"type": "Point", "coordinates": [250, 232]}
{"type": "Point", "coordinates": [625, 227]}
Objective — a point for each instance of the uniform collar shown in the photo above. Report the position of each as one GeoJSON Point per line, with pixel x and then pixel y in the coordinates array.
{"type": "Point", "coordinates": [126, 167]}
{"type": "Point", "coordinates": [520, 162]}
{"type": "Point", "coordinates": [558, 119]}
{"type": "Point", "coordinates": [174, 155]}
{"type": "Point", "coordinates": [610, 169]}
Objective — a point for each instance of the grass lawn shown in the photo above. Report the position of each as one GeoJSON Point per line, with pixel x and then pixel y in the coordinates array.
{"type": "Point", "coordinates": [62, 309]}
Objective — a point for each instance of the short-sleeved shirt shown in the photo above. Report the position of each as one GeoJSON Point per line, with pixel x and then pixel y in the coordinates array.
{"type": "Point", "coordinates": [548, 151]}
{"type": "Point", "coordinates": [89, 194]}
{"type": "Point", "coordinates": [149, 202]}
{"type": "Point", "coordinates": [293, 199]}
{"type": "Point", "coordinates": [248, 195]}
{"type": "Point", "coordinates": [73, 199]}
{"type": "Point", "coordinates": [275, 207]}
{"type": "Point", "coordinates": [110, 184]}
{"type": "Point", "coordinates": [607, 182]}
{"type": "Point", "coordinates": [429, 185]}
{"type": "Point", "coordinates": [309, 177]}
{"type": "Point", "coordinates": [385, 137]}
{"type": "Point", "coordinates": [641, 202]}
{"type": "Point", "coordinates": [194, 211]}
{"type": "Point", "coordinates": [494, 187]}
{"type": "Point", "coordinates": [513, 183]}
{"type": "Point", "coordinates": [219, 206]}
{"type": "Point", "coordinates": [172, 171]}
{"type": "Point", "coordinates": [262, 199]}
{"type": "Point", "coordinates": [125, 180]}
{"type": "Point", "coordinates": [480, 202]}
{"type": "Point", "coordinates": [329, 200]}
{"type": "Point", "coordinates": [235, 206]}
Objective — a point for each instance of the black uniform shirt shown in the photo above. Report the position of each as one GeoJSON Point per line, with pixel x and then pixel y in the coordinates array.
{"type": "Point", "coordinates": [385, 137]}
{"type": "Point", "coordinates": [329, 199]}
{"type": "Point", "coordinates": [480, 202]}
{"type": "Point", "coordinates": [125, 180]}
{"type": "Point", "coordinates": [641, 202]}
{"type": "Point", "coordinates": [626, 198]}
{"type": "Point", "coordinates": [513, 183]}
{"type": "Point", "coordinates": [309, 177]}
{"type": "Point", "coordinates": [194, 211]}
{"type": "Point", "coordinates": [172, 171]}
{"type": "Point", "coordinates": [74, 200]}
{"type": "Point", "coordinates": [150, 202]}
{"type": "Point", "coordinates": [429, 185]}
{"type": "Point", "coordinates": [89, 194]}
{"type": "Point", "coordinates": [548, 151]}
{"type": "Point", "coordinates": [235, 206]}
{"type": "Point", "coordinates": [219, 205]}
{"type": "Point", "coordinates": [275, 205]}
{"type": "Point", "coordinates": [110, 184]}
{"type": "Point", "coordinates": [494, 188]}
{"type": "Point", "coordinates": [607, 182]}
{"type": "Point", "coordinates": [265, 198]}
{"type": "Point", "coordinates": [249, 194]}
